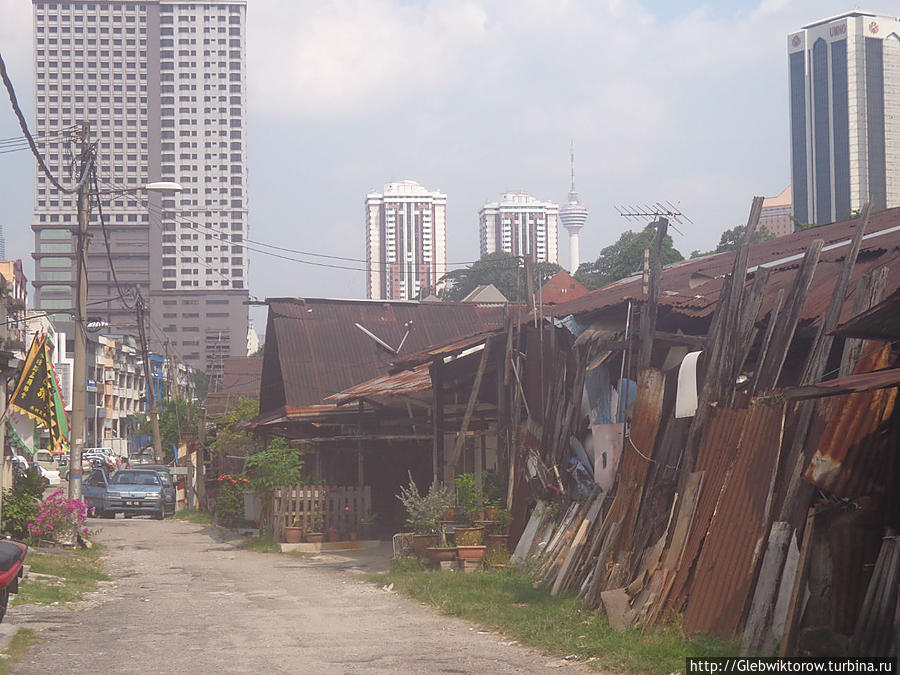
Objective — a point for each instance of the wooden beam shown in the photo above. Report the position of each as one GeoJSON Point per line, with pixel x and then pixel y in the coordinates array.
{"type": "Point", "coordinates": [470, 406]}
{"type": "Point", "coordinates": [649, 310]}
{"type": "Point", "coordinates": [698, 341]}
{"type": "Point", "coordinates": [437, 422]}
{"type": "Point", "coordinates": [869, 292]}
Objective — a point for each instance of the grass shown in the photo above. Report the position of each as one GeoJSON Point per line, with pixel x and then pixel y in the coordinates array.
{"type": "Point", "coordinates": [262, 543]}
{"type": "Point", "coordinates": [18, 647]}
{"type": "Point", "coordinates": [194, 516]}
{"type": "Point", "coordinates": [507, 601]}
{"type": "Point", "coordinates": [78, 572]}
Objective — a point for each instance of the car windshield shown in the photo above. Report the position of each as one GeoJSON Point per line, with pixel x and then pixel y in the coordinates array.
{"type": "Point", "coordinates": [136, 478]}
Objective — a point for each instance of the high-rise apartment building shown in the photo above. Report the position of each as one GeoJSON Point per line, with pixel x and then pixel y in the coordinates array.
{"type": "Point", "coordinates": [845, 115]}
{"type": "Point", "coordinates": [520, 225]}
{"type": "Point", "coordinates": [163, 85]}
{"type": "Point", "coordinates": [406, 241]}
{"type": "Point", "coordinates": [776, 214]}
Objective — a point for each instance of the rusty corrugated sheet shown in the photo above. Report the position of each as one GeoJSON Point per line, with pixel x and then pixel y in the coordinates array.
{"type": "Point", "coordinates": [850, 456]}
{"type": "Point", "coordinates": [314, 349]}
{"type": "Point", "coordinates": [850, 384]}
{"type": "Point", "coordinates": [728, 562]}
{"type": "Point", "coordinates": [442, 350]}
{"type": "Point", "coordinates": [714, 458]}
{"type": "Point", "coordinates": [691, 288]}
{"type": "Point", "coordinates": [400, 384]}
{"type": "Point", "coordinates": [880, 322]}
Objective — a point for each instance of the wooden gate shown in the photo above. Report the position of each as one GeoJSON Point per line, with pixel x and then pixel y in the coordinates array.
{"type": "Point", "coordinates": [339, 507]}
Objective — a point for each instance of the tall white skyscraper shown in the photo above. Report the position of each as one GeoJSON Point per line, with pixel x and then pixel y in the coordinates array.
{"type": "Point", "coordinates": [573, 216]}
{"type": "Point", "coordinates": [845, 115]}
{"type": "Point", "coordinates": [520, 225]}
{"type": "Point", "coordinates": [163, 85]}
{"type": "Point", "coordinates": [406, 240]}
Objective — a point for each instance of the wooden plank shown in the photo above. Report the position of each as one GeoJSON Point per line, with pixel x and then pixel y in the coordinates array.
{"type": "Point", "coordinates": [869, 292]}
{"type": "Point", "coordinates": [683, 522]}
{"type": "Point", "coordinates": [749, 311]}
{"type": "Point", "coordinates": [767, 340]}
{"type": "Point", "coordinates": [792, 621]}
{"type": "Point", "coordinates": [762, 605]}
{"type": "Point", "coordinates": [523, 546]}
{"type": "Point", "coordinates": [562, 579]}
{"type": "Point", "coordinates": [770, 370]}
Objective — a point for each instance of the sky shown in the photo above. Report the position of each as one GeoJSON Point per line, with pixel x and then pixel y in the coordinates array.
{"type": "Point", "coordinates": [684, 102]}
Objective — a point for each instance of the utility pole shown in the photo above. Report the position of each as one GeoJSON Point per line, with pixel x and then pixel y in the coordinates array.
{"type": "Point", "coordinates": [148, 377]}
{"type": "Point", "coordinates": [79, 370]}
{"type": "Point", "coordinates": [173, 373]}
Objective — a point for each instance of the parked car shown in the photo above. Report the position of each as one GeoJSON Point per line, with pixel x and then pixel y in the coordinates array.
{"type": "Point", "coordinates": [93, 492]}
{"type": "Point", "coordinates": [134, 492]}
{"type": "Point", "coordinates": [50, 476]}
{"type": "Point", "coordinates": [168, 480]}
{"type": "Point", "coordinates": [45, 459]}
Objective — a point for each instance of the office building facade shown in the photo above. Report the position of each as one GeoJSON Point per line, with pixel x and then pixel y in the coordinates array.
{"type": "Point", "coordinates": [163, 86]}
{"type": "Point", "coordinates": [520, 225]}
{"type": "Point", "coordinates": [776, 214]}
{"type": "Point", "coordinates": [406, 241]}
{"type": "Point", "coordinates": [845, 116]}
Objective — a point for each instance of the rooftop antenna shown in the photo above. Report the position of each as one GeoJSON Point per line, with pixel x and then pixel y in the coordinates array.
{"type": "Point", "coordinates": [671, 212]}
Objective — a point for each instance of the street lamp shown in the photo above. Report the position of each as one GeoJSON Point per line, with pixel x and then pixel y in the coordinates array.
{"type": "Point", "coordinates": [76, 471]}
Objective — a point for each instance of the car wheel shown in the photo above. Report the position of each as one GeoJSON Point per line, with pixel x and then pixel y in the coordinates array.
{"type": "Point", "coordinates": [159, 516]}
{"type": "Point", "coordinates": [109, 515]}
{"type": "Point", "coordinates": [128, 516]}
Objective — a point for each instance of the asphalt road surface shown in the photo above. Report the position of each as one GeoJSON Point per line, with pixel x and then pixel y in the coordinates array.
{"type": "Point", "coordinates": [186, 599]}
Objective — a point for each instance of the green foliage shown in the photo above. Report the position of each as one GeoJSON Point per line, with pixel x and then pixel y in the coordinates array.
{"type": "Point", "coordinates": [229, 439]}
{"type": "Point", "coordinates": [259, 353]}
{"type": "Point", "coordinates": [20, 503]}
{"type": "Point", "coordinates": [495, 488]}
{"type": "Point", "coordinates": [506, 601]}
{"type": "Point", "coordinates": [624, 258]}
{"type": "Point", "coordinates": [406, 564]}
{"type": "Point", "coordinates": [201, 385]}
{"type": "Point", "coordinates": [79, 571]}
{"type": "Point", "coordinates": [177, 418]}
{"type": "Point", "coordinates": [504, 271]}
{"type": "Point", "coordinates": [193, 516]}
{"type": "Point", "coordinates": [230, 503]}
{"type": "Point", "coordinates": [731, 239]}
{"type": "Point", "coordinates": [279, 465]}
{"type": "Point", "coordinates": [469, 498]}
{"type": "Point", "coordinates": [800, 225]}
{"type": "Point", "coordinates": [424, 512]}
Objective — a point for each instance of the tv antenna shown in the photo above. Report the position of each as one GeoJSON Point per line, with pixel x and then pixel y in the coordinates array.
{"type": "Point", "coordinates": [671, 212]}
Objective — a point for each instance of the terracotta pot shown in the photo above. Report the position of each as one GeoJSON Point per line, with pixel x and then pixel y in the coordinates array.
{"type": "Point", "coordinates": [469, 536]}
{"type": "Point", "coordinates": [438, 553]}
{"type": "Point", "coordinates": [315, 537]}
{"type": "Point", "coordinates": [492, 513]}
{"type": "Point", "coordinates": [293, 535]}
{"type": "Point", "coordinates": [423, 541]}
{"type": "Point", "coordinates": [449, 515]}
{"type": "Point", "coordinates": [470, 552]}
{"type": "Point", "coordinates": [499, 542]}
{"type": "Point", "coordinates": [333, 534]}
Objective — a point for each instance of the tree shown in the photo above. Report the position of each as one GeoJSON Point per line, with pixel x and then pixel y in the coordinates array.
{"type": "Point", "coordinates": [731, 239]}
{"type": "Point", "coordinates": [502, 270]}
{"type": "Point", "coordinates": [177, 418]}
{"type": "Point", "coordinates": [229, 439]}
{"type": "Point", "coordinates": [624, 258]}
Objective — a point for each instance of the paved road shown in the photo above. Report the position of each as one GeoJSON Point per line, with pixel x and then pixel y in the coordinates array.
{"type": "Point", "coordinates": [186, 599]}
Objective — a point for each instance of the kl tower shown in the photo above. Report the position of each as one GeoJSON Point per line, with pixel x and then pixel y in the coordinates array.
{"type": "Point", "coordinates": [573, 215]}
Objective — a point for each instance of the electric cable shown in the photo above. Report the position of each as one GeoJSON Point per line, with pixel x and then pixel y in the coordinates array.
{"type": "Point", "coordinates": [129, 304]}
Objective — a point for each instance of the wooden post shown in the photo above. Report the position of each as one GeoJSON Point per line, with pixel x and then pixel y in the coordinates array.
{"type": "Point", "coordinates": [649, 311]}
{"type": "Point", "coordinates": [470, 406]}
{"type": "Point", "coordinates": [790, 626]}
{"type": "Point", "coordinates": [437, 422]}
{"type": "Point", "coordinates": [359, 452]}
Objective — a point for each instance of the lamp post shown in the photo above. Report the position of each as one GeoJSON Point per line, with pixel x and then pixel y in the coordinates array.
{"type": "Point", "coordinates": [79, 370]}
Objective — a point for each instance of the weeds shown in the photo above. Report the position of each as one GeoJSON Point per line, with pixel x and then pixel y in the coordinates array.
{"type": "Point", "coordinates": [18, 647]}
{"type": "Point", "coordinates": [193, 516]}
{"type": "Point", "coordinates": [508, 602]}
{"type": "Point", "coordinates": [76, 573]}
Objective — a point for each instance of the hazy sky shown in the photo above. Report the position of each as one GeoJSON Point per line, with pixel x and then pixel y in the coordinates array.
{"type": "Point", "coordinates": [681, 101]}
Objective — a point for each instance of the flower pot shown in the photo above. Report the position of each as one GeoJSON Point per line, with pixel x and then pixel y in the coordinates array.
{"type": "Point", "coordinates": [315, 537]}
{"type": "Point", "coordinates": [469, 536]}
{"type": "Point", "coordinates": [334, 534]}
{"type": "Point", "coordinates": [293, 535]}
{"type": "Point", "coordinates": [492, 513]}
{"type": "Point", "coordinates": [440, 553]}
{"type": "Point", "coordinates": [449, 515]}
{"type": "Point", "coordinates": [499, 542]}
{"type": "Point", "coordinates": [423, 541]}
{"type": "Point", "coordinates": [470, 552]}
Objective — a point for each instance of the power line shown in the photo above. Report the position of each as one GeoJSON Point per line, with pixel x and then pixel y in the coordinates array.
{"type": "Point", "coordinates": [24, 126]}
{"type": "Point", "coordinates": [129, 304]}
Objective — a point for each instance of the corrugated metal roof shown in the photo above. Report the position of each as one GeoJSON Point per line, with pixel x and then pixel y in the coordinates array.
{"type": "Point", "coordinates": [241, 377]}
{"type": "Point", "coordinates": [442, 350]}
{"type": "Point", "coordinates": [850, 457]}
{"type": "Point", "coordinates": [726, 569]}
{"type": "Point", "coordinates": [692, 287]}
{"type": "Point", "coordinates": [880, 322]}
{"type": "Point", "coordinates": [880, 379]}
{"type": "Point", "coordinates": [404, 383]}
{"type": "Point", "coordinates": [314, 349]}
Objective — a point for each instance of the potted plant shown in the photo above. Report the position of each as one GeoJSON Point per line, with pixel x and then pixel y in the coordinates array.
{"type": "Point", "coordinates": [317, 535]}
{"type": "Point", "coordinates": [495, 487]}
{"type": "Point", "coordinates": [293, 533]}
{"type": "Point", "coordinates": [469, 507]}
{"type": "Point", "coordinates": [499, 540]}
{"type": "Point", "coordinates": [440, 553]}
{"type": "Point", "coordinates": [366, 527]}
{"type": "Point", "coordinates": [424, 512]}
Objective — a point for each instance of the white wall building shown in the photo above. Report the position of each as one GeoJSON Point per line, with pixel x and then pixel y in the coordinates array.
{"type": "Point", "coordinates": [845, 115]}
{"type": "Point", "coordinates": [406, 240]}
{"type": "Point", "coordinates": [520, 225]}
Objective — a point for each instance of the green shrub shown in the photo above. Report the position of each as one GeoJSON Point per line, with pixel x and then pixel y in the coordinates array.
{"type": "Point", "coordinates": [20, 504]}
{"type": "Point", "coordinates": [230, 502]}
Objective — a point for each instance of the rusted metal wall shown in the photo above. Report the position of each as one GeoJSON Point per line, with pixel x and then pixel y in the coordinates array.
{"type": "Point", "coordinates": [728, 562]}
